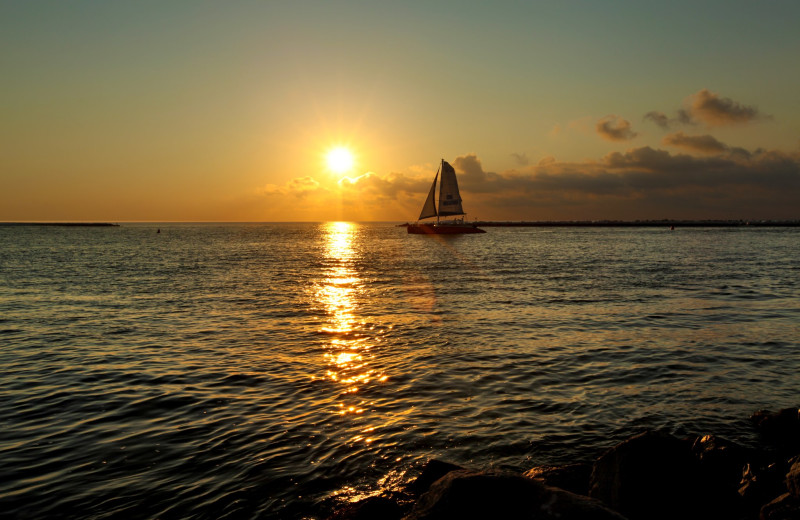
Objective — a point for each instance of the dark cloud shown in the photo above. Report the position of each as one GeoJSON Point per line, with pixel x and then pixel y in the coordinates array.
{"type": "Point", "coordinates": [696, 143]}
{"type": "Point", "coordinates": [685, 118]}
{"type": "Point", "coordinates": [682, 117]}
{"type": "Point", "coordinates": [708, 108]}
{"type": "Point", "coordinates": [645, 183]}
{"type": "Point", "coordinates": [648, 169]}
{"type": "Point", "coordinates": [521, 158]}
{"type": "Point", "coordinates": [659, 118]}
{"type": "Point", "coordinates": [615, 128]}
{"type": "Point", "coordinates": [713, 110]}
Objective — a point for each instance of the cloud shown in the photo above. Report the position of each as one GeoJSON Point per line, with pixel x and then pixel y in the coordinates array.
{"type": "Point", "coordinates": [685, 118]}
{"type": "Point", "coordinates": [696, 143]}
{"type": "Point", "coordinates": [713, 110]}
{"type": "Point", "coordinates": [521, 158]}
{"type": "Point", "coordinates": [303, 185]}
{"type": "Point", "coordinates": [655, 170]}
{"type": "Point", "coordinates": [298, 187]}
{"type": "Point", "coordinates": [614, 128]}
{"type": "Point", "coordinates": [659, 118]}
{"type": "Point", "coordinates": [641, 183]}
{"type": "Point", "coordinates": [708, 108]}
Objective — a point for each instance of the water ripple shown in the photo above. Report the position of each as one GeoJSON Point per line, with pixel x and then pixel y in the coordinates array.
{"type": "Point", "coordinates": [228, 371]}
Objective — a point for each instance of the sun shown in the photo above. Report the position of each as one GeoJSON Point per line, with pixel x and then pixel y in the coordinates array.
{"type": "Point", "coordinates": [339, 159]}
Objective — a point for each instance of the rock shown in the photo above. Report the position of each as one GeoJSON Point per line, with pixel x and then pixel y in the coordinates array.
{"type": "Point", "coordinates": [721, 460]}
{"type": "Point", "coordinates": [372, 508]}
{"type": "Point", "coordinates": [651, 476]}
{"type": "Point", "coordinates": [721, 466]}
{"type": "Point", "coordinates": [466, 494]}
{"type": "Point", "coordinates": [572, 477]}
{"type": "Point", "coordinates": [793, 478]}
{"type": "Point", "coordinates": [432, 471]}
{"type": "Point", "coordinates": [782, 428]}
{"type": "Point", "coordinates": [785, 507]}
{"type": "Point", "coordinates": [761, 484]}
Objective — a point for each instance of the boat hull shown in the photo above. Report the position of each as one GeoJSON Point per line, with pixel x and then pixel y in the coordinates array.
{"type": "Point", "coordinates": [443, 229]}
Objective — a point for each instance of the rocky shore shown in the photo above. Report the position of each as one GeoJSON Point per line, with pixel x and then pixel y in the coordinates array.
{"type": "Point", "coordinates": [650, 476]}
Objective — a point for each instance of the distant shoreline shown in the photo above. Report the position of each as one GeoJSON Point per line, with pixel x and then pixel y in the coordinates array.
{"type": "Point", "coordinates": [63, 224]}
{"type": "Point", "coordinates": [637, 223]}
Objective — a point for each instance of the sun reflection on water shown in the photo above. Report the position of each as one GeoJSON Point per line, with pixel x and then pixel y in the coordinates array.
{"type": "Point", "coordinates": [347, 351]}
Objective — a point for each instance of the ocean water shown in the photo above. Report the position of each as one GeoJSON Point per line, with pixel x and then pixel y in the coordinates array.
{"type": "Point", "coordinates": [277, 370]}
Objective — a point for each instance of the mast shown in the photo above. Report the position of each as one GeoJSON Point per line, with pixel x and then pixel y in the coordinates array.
{"type": "Point", "coordinates": [441, 166]}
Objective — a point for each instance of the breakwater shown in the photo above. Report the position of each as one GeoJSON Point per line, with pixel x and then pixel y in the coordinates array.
{"type": "Point", "coordinates": [641, 223]}
{"type": "Point", "coordinates": [61, 224]}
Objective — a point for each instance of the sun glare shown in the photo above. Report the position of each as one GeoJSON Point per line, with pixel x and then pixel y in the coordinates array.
{"type": "Point", "coordinates": [340, 160]}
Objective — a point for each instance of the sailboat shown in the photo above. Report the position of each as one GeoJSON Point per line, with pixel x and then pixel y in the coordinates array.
{"type": "Point", "coordinates": [449, 206]}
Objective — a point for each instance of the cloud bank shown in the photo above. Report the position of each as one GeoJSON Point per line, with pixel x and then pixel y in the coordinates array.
{"type": "Point", "coordinates": [639, 183]}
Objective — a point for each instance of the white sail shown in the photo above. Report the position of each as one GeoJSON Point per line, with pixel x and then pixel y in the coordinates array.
{"type": "Point", "coordinates": [429, 209]}
{"type": "Point", "coordinates": [449, 198]}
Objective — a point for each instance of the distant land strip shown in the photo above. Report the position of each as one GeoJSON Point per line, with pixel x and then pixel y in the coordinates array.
{"type": "Point", "coordinates": [65, 224]}
{"type": "Point", "coordinates": [635, 223]}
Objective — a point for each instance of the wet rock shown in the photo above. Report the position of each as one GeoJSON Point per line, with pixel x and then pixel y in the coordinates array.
{"type": "Point", "coordinates": [781, 428]}
{"type": "Point", "coordinates": [572, 477]}
{"type": "Point", "coordinates": [466, 494]}
{"type": "Point", "coordinates": [793, 477]}
{"type": "Point", "coordinates": [650, 476]}
{"type": "Point", "coordinates": [785, 507]}
{"type": "Point", "coordinates": [432, 471]}
{"type": "Point", "coordinates": [762, 483]}
{"type": "Point", "coordinates": [721, 460]}
{"type": "Point", "coordinates": [384, 507]}
{"type": "Point", "coordinates": [721, 465]}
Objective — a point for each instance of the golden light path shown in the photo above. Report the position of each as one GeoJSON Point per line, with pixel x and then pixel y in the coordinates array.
{"type": "Point", "coordinates": [347, 352]}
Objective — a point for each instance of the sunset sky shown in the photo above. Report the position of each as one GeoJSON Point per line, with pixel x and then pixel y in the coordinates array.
{"type": "Point", "coordinates": [227, 111]}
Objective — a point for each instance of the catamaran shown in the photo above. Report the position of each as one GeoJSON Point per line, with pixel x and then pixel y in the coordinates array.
{"type": "Point", "coordinates": [449, 205]}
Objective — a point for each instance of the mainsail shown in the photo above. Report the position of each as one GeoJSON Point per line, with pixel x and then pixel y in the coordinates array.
{"type": "Point", "coordinates": [429, 209]}
{"type": "Point", "coordinates": [449, 198]}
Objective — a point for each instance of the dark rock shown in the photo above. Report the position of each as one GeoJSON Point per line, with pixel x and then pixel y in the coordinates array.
{"type": "Point", "coordinates": [572, 477]}
{"type": "Point", "coordinates": [763, 483]}
{"type": "Point", "coordinates": [432, 471]}
{"type": "Point", "coordinates": [720, 459]}
{"type": "Point", "coordinates": [793, 477]}
{"type": "Point", "coordinates": [652, 476]}
{"type": "Point", "coordinates": [466, 494]}
{"type": "Point", "coordinates": [782, 428]}
{"type": "Point", "coordinates": [785, 507]}
{"type": "Point", "coordinates": [373, 508]}
{"type": "Point", "coordinates": [721, 466]}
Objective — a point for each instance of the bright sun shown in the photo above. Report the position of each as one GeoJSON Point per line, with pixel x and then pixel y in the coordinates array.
{"type": "Point", "coordinates": [339, 160]}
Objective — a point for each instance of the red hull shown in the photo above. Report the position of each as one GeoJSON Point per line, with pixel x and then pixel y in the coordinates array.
{"type": "Point", "coordinates": [443, 229]}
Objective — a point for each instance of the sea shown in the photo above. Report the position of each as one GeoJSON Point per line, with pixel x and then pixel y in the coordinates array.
{"type": "Point", "coordinates": [283, 370]}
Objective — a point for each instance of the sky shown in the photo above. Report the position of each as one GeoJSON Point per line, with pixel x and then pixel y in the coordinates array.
{"type": "Point", "coordinates": [548, 110]}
